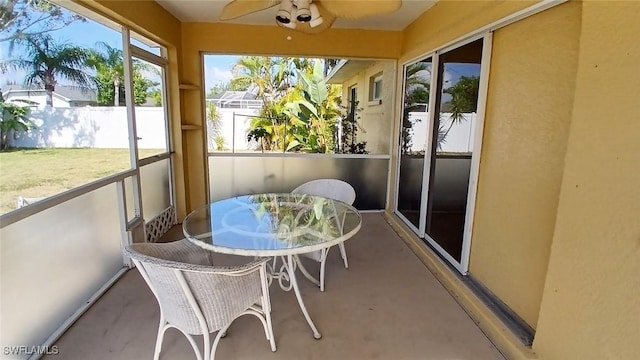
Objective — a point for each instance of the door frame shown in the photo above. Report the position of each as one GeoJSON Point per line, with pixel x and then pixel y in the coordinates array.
{"type": "Point", "coordinates": [463, 265]}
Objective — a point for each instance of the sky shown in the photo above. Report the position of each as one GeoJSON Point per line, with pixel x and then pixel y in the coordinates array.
{"type": "Point", "coordinates": [87, 34]}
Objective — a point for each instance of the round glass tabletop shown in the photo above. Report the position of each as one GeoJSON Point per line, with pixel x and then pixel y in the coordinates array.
{"type": "Point", "coordinates": [271, 224]}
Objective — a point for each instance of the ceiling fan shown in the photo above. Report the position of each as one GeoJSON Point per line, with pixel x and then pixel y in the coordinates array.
{"type": "Point", "coordinates": [310, 16]}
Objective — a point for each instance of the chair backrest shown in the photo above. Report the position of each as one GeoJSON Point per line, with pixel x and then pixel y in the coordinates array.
{"type": "Point", "coordinates": [194, 295]}
{"type": "Point", "coordinates": [330, 188]}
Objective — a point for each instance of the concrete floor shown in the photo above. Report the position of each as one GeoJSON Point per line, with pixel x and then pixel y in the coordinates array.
{"type": "Point", "coordinates": [387, 305]}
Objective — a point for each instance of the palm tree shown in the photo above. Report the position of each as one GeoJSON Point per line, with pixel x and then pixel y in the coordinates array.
{"type": "Point", "coordinates": [329, 65]}
{"type": "Point", "coordinates": [464, 99]}
{"type": "Point", "coordinates": [416, 93]}
{"type": "Point", "coordinates": [46, 61]}
{"type": "Point", "coordinates": [109, 64]}
{"type": "Point", "coordinates": [214, 127]}
{"type": "Point", "coordinates": [13, 118]}
{"type": "Point", "coordinates": [270, 76]}
{"type": "Point", "coordinates": [110, 68]}
{"type": "Point", "coordinates": [300, 109]}
{"type": "Point", "coordinates": [464, 96]}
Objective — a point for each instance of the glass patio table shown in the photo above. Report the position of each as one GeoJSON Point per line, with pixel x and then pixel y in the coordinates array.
{"type": "Point", "coordinates": [274, 225]}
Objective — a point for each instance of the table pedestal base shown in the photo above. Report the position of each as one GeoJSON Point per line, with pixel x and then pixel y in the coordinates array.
{"type": "Point", "coordinates": [286, 276]}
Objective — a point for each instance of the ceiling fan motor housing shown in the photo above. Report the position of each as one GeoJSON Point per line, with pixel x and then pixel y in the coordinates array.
{"type": "Point", "coordinates": [303, 14]}
{"type": "Point", "coordinates": [298, 10]}
{"type": "Point", "coordinates": [284, 13]}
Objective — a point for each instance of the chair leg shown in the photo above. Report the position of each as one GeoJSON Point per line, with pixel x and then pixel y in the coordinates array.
{"type": "Point", "coordinates": [194, 346]}
{"type": "Point", "coordinates": [343, 253]}
{"type": "Point", "coordinates": [272, 340]}
{"type": "Point", "coordinates": [266, 307]}
{"type": "Point", "coordinates": [212, 353]}
{"type": "Point", "coordinates": [160, 337]}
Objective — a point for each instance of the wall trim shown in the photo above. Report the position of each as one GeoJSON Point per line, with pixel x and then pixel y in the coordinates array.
{"type": "Point", "coordinates": [498, 333]}
{"type": "Point", "coordinates": [60, 331]}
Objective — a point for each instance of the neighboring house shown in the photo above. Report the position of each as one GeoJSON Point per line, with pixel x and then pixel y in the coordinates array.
{"type": "Point", "coordinates": [64, 96]}
{"type": "Point", "coordinates": [235, 109]}
{"type": "Point", "coordinates": [236, 100]}
{"type": "Point", "coordinates": [365, 83]}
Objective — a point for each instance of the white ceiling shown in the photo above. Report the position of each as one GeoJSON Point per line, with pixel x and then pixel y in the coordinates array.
{"type": "Point", "coordinates": [209, 11]}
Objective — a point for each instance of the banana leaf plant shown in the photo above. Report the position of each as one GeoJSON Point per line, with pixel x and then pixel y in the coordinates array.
{"type": "Point", "coordinates": [314, 117]}
{"type": "Point", "coordinates": [14, 119]}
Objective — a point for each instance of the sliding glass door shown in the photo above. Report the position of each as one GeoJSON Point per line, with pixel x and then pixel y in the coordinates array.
{"type": "Point", "coordinates": [413, 139]}
{"type": "Point", "coordinates": [452, 146]}
{"type": "Point", "coordinates": [438, 151]}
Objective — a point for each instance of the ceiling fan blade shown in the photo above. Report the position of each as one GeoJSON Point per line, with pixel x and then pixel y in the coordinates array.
{"type": "Point", "coordinates": [238, 8]}
{"type": "Point", "coordinates": [354, 9]}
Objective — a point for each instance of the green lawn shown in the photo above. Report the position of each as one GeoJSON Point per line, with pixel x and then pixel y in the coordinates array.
{"type": "Point", "coordinates": [45, 172]}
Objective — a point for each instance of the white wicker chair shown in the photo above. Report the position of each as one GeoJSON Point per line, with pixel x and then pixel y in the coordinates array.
{"type": "Point", "coordinates": [333, 189]}
{"type": "Point", "coordinates": [198, 298]}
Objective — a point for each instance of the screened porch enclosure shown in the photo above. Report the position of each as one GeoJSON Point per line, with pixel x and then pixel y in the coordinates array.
{"type": "Point", "coordinates": [485, 229]}
{"type": "Point", "coordinates": [59, 259]}
{"type": "Point", "coordinates": [61, 251]}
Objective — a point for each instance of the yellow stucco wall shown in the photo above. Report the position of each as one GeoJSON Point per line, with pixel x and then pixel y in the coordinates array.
{"type": "Point", "coordinates": [450, 19]}
{"type": "Point", "coordinates": [375, 118]}
{"type": "Point", "coordinates": [446, 21]}
{"type": "Point", "coordinates": [525, 137]}
{"type": "Point", "coordinates": [529, 104]}
{"type": "Point", "coordinates": [591, 303]}
{"type": "Point", "coordinates": [199, 38]}
{"type": "Point", "coordinates": [145, 16]}
{"type": "Point", "coordinates": [272, 40]}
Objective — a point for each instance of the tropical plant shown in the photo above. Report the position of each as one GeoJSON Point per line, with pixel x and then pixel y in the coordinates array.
{"type": "Point", "coordinates": [299, 109]}
{"type": "Point", "coordinates": [441, 138]}
{"type": "Point", "coordinates": [464, 95]}
{"type": "Point", "coordinates": [330, 64]}
{"type": "Point", "coordinates": [464, 99]}
{"type": "Point", "coordinates": [270, 77]}
{"type": "Point", "coordinates": [24, 18]}
{"type": "Point", "coordinates": [108, 62]}
{"type": "Point", "coordinates": [156, 95]}
{"type": "Point", "coordinates": [314, 117]}
{"type": "Point", "coordinates": [261, 135]}
{"type": "Point", "coordinates": [109, 66]}
{"type": "Point", "coordinates": [416, 94]}
{"type": "Point", "coordinates": [217, 89]}
{"type": "Point", "coordinates": [47, 61]}
{"type": "Point", "coordinates": [14, 118]}
{"type": "Point", "coordinates": [275, 127]}
{"type": "Point", "coordinates": [141, 84]}
{"type": "Point", "coordinates": [221, 87]}
{"type": "Point", "coordinates": [214, 127]}
{"type": "Point", "coordinates": [348, 131]}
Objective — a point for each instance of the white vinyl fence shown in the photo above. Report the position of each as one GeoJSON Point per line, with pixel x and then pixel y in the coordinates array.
{"type": "Point", "coordinates": [234, 126]}
{"type": "Point", "coordinates": [459, 134]}
{"type": "Point", "coordinates": [92, 127]}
